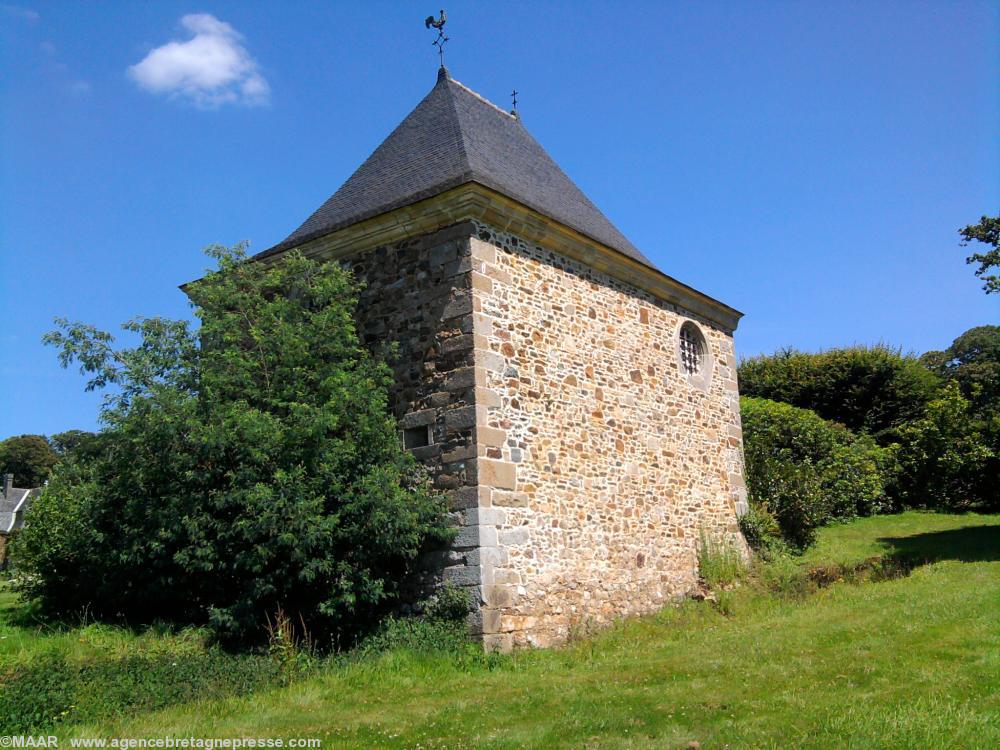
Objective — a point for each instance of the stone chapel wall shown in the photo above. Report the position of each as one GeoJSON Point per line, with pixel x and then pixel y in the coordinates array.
{"type": "Point", "coordinates": [418, 296]}
{"type": "Point", "coordinates": [605, 463]}
{"type": "Point", "coordinates": [580, 464]}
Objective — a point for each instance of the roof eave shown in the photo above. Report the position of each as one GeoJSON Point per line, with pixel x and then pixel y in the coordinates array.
{"type": "Point", "coordinates": [474, 200]}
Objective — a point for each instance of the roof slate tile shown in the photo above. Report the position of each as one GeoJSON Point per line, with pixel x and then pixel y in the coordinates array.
{"type": "Point", "coordinates": [452, 137]}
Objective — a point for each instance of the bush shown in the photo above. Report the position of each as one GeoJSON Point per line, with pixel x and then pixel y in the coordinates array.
{"type": "Point", "coordinates": [450, 604]}
{"type": "Point", "coordinates": [762, 532]}
{"type": "Point", "coordinates": [936, 419]}
{"type": "Point", "coordinates": [805, 471]}
{"type": "Point", "coordinates": [793, 494]}
{"type": "Point", "coordinates": [857, 477]}
{"type": "Point", "coordinates": [417, 634]}
{"type": "Point", "coordinates": [61, 546]}
{"type": "Point", "coordinates": [867, 389]}
{"type": "Point", "coordinates": [245, 467]}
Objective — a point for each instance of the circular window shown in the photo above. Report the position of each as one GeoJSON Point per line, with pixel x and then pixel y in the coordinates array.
{"type": "Point", "coordinates": [693, 354]}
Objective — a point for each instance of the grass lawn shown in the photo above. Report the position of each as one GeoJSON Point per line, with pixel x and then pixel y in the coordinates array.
{"type": "Point", "coordinates": [911, 662]}
{"type": "Point", "coordinates": [25, 638]}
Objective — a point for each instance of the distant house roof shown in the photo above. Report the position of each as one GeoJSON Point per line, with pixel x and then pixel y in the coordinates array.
{"type": "Point", "coordinates": [454, 136]}
{"type": "Point", "coordinates": [12, 506]}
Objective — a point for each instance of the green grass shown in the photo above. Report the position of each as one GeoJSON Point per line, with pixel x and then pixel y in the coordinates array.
{"type": "Point", "coordinates": [26, 637]}
{"type": "Point", "coordinates": [928, 536]}
{"type": "Point", "coordinates": [908, 662]}
{"type": "Point", "coordinates": [54, 673]}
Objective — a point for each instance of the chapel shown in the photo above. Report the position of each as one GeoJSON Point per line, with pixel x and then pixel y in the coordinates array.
{"type": "Point", "coordinates": [578, 405]}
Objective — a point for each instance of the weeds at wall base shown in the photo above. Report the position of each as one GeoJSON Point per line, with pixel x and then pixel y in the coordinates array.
{"type": "Point", "coordinates": [720, 563]}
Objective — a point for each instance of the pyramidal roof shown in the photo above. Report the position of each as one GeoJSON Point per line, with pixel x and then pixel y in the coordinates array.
{"type": "Point", "coordinates": [455, 136]}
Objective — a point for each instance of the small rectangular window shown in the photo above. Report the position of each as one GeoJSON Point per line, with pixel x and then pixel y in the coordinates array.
{"type": "Point", "coordinates": [416, 437]}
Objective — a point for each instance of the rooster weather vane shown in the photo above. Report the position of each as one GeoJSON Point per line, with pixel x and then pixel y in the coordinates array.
{"type": "Point", "coordinates": [441, 38]}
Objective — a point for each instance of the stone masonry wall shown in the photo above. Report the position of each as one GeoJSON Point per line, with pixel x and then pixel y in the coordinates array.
{"type": "Point", "coordinates": [418, 296]}
{"type": "Point", "coordinates": [579, 462]}
{"type": "Point", "coordinates": [599, 462]}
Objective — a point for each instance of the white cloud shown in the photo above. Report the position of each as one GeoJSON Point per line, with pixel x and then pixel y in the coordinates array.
{"type": "Point", "coordinates": [211, 68]}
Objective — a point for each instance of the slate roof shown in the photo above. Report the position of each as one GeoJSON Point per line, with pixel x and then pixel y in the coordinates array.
{"type": "Point", "coordinates": [8, 505]}
{"type": "Point", "coordinates": [455, 136]}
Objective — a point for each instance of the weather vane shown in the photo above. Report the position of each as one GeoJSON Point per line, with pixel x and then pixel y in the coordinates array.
{"type": "Point", "coordinates": [441, 38]}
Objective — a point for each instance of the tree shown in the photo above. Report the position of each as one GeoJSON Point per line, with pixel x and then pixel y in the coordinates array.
{"type": "Point", "coordinates": [246, 466]}
{"type": "Point", "coordinates": [74, 443]}
{"type": "Point", "coordinates": [945, 460]}
{"type": "Point", "coordinates": [986, 231]}
{"type": "Point", "coordinates": [868, 389]}
{"type": "Point", "coordinates": [973, 362]}
{"type": "Point", "coordinates": [29, 458]}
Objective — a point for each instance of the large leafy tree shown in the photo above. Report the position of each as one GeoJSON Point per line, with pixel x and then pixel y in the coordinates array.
{"type": "Point", "coordinates": [973, 362]}
{"type": "Point", "coordinates": [249, 465]}
{"type": "Point", "coordinates": [987, 231]}
{"type": "Point", "coordinates": [30, 458]}
{"type": "Point", "coordinates": [869, 389]}
{"type": "Point", "coordinates": [945, 458]}
{"type": "Point", "coordinates": [73, 441]}
{"type": "Point", "coordinates": [972, 365]}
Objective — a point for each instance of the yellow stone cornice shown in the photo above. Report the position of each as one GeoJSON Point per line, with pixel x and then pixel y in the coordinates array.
{"type": "Point", "coordinates": [474, 201]}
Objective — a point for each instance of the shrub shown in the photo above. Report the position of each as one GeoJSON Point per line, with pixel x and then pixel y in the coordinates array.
{"type": "Point", "coordinates": [250, 465]}
{"type": "Point", "coordinates": [856, 478]}
{"type": "Point", "coordinates": [450, 604]}
{"type": "Point", "coordinates": [761, 530]}
{"type": "Point", "coordinates": [945, 460]}
{"type": "Point", "coordinates": [940, 445]}
{"type": "Point", "coordinates": [418, 634]}
{"type": "Point", "coordinates": [793, 493]}
{"type": "Point", "coordinates": [871, 389]}
{"type": "Point", "coordinates": [61, 545]}
{"type": "Point", "coordinates": [805, 471]}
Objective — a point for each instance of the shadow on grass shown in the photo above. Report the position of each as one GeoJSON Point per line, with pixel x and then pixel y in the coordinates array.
{"type": "Point", "coordinates": [27, 615]}
{"type": "Point", "coordinates": [17, 613]}
{"type": "Point", "coordinates": [904, 555]}
{"type": "Point", "coordinates": [968, 544]}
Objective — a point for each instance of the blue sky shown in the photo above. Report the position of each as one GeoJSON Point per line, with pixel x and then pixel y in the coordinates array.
{"type": "Point", "coordinates": [807, 163]}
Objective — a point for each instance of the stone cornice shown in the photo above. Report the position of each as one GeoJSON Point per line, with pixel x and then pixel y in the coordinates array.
{"type": "Point", "coordinates": [474, 201]}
